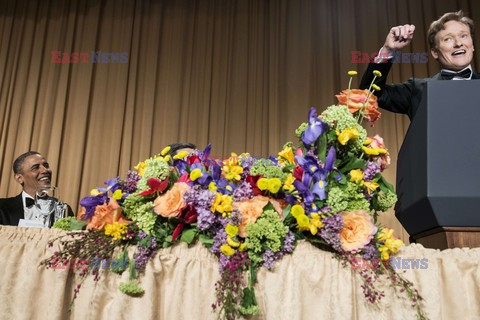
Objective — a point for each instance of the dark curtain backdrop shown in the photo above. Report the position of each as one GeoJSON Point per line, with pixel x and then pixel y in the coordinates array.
{"type": "Point", "coordinates": [238, 74]}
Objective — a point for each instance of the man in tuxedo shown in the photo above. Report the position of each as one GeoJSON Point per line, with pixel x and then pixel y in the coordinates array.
{"type": "Point", "coordinates": [33, 172]}
{"type": "Point", "coordinates": [451, 44]}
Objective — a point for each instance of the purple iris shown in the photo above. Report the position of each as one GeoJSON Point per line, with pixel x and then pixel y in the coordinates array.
{"type": "Point", "coordinates": [315, 128]}
{"type": "Point", "coordinates": [206, 178]}
{"type": "Point", "coordinates": [91, 202]}
{"type": "Point", "coordinates": [313, 172]}
{"type": "Point", "coordinates": [320, 176]}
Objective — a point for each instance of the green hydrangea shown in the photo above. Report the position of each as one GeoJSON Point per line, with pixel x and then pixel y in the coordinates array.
{"type": "Point", "coordinates": [266, 233]}
{"type": "Point", "coordinates": [340, 118]}
{"type": "Point", "coordinates": [348, 199]}
{"type": "Point", "coordinates": [131, 288]}
{"type": "Point", "coordinates": [299, 131]}
{"type": "Point", "coordinates": [386, 200]}
{"type": "Point", "coordinates": [140, 212]}
{"type": "Point", "coordinates": [155, 168]}
{"type": "Point", "coordinates": [267, 169]}
{"type": "Point", "coordinates": [64, 223]}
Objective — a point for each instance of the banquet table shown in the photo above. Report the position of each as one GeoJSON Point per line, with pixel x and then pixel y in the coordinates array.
{"type": "Point", "coordinates": [179, 283]}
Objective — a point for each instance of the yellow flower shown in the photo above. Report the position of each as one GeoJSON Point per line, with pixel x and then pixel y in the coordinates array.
{"type": "Point", "coordinates": [180, 155]}
{"type": "Point", "coordinates": [242, 247]}
{"type": "Point", "coordinates": [262, 183]}
{"type": "Point", "coordinates": [212, 186]}
{"type": "Point", "coordinates": [288, 185]}
{"type": "Point", "coordinates": [140, 167]}
{"type": "Point", "coordinates": [232, 243]}
{"type": "Point", "coordinates": [371, 186]}
{"type": "Point", "coordinates": [297, 210]}
{"type": "Point", "coordinates": [286, 155]}
{"type": "Point", "coordinates": [231, 230]}
{"type": "Point", "coordinates": [167, 158]}
{"type": "Point", "coordinates": [115, 230]}
{"type": "Point", "coordinates": [117, 195]}
{"type": "Point", "coordinates": [374, 151]}
{"type": "Point", "coordinates": [227, 250]}
{"type": "Point", "coordinates": [367, 141]}
{"type": "Point", "coordinates": [165, 150]}
{"type": "Point", "coordinates": [356, 175]}
{"type": "Point", "coordinates": [222, 203]}
{"type": "Point", "coordinates": [385, 234]}
{"type": "Point", "coordinates": [95, 192]}
{"type": "Point", "coordinates": [374, 86]}
{"type": "Point", "coordinates": [303, 222]}
{"type": "Point", "coordinates": [232, 172]}
{"type": "Point", "coordinates": [377, 73]}
{"type": "Point", "coordinates": [195, 174]}
{"type": "Point", "coordinates": [274, 185]}
{"type": "Point", "coordinates": [391, 244]}
{"type": "Point", "coordinates": [315, 223]}
{"type": "Point", "coordinates": [232, 161]}
{"type": "Point", "coordinates": [352, 73]}
{"type": "Point", "coordinates": [347, 135]}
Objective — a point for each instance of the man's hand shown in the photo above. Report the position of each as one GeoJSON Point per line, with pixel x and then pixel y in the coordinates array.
{"type": "Point", "coordinates": [398, 38]}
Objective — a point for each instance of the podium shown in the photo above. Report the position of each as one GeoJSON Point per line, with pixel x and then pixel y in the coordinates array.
{"type": "Point", "coordinates": [438, 170]}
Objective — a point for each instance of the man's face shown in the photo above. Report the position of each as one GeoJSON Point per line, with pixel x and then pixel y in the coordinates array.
{"type": "Point", "coordinates": [35, 173]}
{"type": "Point", "coordinates": [454, 46]}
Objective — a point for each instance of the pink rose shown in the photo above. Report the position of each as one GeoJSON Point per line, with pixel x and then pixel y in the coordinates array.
{"type": "Point", "coordinates": [383, 160]}
{"type": "Point", "coordinates": [358, 230]}
{"type": "Point", "coordinates": [171, 203]}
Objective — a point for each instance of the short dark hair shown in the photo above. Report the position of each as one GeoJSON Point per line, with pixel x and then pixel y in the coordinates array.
{"type": "Point", "coordinates": [439, 24]}
{"type": "Point", "coordinates": [174, 147]}
{"type": "Point", "coordinates": [18, 163]}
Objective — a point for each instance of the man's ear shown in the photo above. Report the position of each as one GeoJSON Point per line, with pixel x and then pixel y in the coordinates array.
{"type": "Point", "coordinates": [434, 53]}
{"type": "Point", "coordinates": [19, 178]}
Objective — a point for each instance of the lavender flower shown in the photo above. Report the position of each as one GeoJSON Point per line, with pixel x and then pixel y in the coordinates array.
{"type": "Point", "coordinates": [202, 200]}
{"type": "Point", "coordinates": [243, 191]}
{"type": "Point", "coordinates": [331, 231]}
{"type": "Point", "coordinates": [371, 170]}
{"type": "Point", "coordinates": [130, 184]}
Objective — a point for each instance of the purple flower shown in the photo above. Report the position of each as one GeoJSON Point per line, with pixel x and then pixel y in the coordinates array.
{"type": "Point", "coordinates": [243, 191]}
{"type": "Point", "coordinates": [130, 184]}
{"type": "Point", "coordinates": [371, 170]}
{"type": "Point", "coordinates": [331, 231]}
{"type": "Point", "coordinates": [91, 202]}
{"type": "Point", "coordinates": [315, 128]}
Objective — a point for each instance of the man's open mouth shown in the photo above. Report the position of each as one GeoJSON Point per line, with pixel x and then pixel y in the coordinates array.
{"type": "Point", "coordinates": [459, 52]}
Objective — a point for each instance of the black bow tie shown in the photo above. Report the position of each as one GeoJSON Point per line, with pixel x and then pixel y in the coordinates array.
{"type": "Point", "coordinates": [447, 75]}
{"type": "Point", "coordinates": [29, 202]}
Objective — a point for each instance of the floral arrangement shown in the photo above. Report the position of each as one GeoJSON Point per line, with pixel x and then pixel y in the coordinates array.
{"type": "Point", "coordinates": [250, 211]}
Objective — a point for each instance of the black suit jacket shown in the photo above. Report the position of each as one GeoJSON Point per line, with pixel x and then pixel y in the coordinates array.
{"type": "Point", "coordinates": [11, 210]}
{"type": "Point", "coordinates": [400, 98]}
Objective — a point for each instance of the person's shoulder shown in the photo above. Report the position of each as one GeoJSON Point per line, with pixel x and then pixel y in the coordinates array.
{"type": "Point", "coordinates": [4, 202]}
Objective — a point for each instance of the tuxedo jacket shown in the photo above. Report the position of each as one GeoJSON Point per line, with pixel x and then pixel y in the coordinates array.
{"type": "Point", "coordinates": [11, 210]}
{"type": "Point", "coordinates": [400, 98]}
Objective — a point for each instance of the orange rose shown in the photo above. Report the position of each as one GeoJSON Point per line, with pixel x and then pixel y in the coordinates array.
{"type": "Point", "coordinates": [358, 230]}
{"type": "Point", "coordinates": [251, 209]}
{"type": "Point", "coordinates": [171, 203]}
{"type": "Point", "coordinates": [356, 102]}
{"type": "Point", "coordinates": [383, 160]}
{"type": "Point", "coordinates": [105, 214]}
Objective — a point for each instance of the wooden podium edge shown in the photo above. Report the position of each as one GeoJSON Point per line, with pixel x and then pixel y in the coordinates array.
{"type": "Point", "coordinates": [449, 237]}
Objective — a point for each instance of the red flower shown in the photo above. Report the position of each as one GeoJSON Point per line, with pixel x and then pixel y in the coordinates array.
{"type": "Point", "coordinates": [253, 183]}
{"type": "Point", "coordinates": [187, 216]}
{"type": "Point", "coordinates": [298, 173]}
{"type": "Point", "coordinates": [155, 185]}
